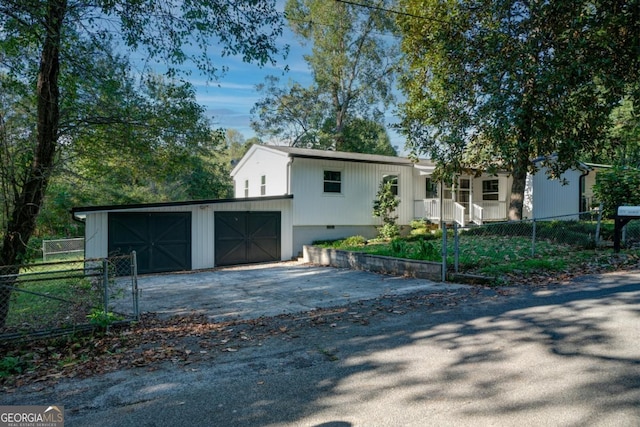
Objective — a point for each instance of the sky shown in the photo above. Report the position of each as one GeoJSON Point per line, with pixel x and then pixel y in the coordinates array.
{"type": "Point", "coordinates": [229, 100]}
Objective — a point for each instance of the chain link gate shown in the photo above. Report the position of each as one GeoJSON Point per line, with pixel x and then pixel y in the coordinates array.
{"type": "Point", "coordinates": [52, 299]}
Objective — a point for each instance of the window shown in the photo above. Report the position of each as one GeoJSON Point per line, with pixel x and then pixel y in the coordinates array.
{"type": "Point", "coordinates": [431, 189]}
{"type": "Point", "coordinates": [393, 179]}
{"type": "Point", "coordinates": [246, 188]}
{"type": "Point", "coordinates": [263, 185]}
{"type": "Point", "coordinates": [332, 182]}
{"type": "Point", "coordinates": [490, 189]}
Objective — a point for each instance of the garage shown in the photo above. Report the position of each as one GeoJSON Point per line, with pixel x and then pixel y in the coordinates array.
{"type": "Point", "coordinates": [247, 237]}
{"type": "Point", "coordinates": [191, 235]}
{"type": "Point", "coordinates": [162, 240]}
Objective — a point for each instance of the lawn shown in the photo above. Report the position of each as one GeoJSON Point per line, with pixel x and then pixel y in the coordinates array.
{"type": "Point", "coordinates": [52, 296]}
{"type": "Point", "coordinates": [508, 249]}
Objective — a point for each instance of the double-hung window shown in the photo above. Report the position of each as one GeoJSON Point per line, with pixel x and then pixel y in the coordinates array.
{"type": "Point", "coordinates": [490, 189]}
{"type": "Point", "coordinates": [332, 181]}
{"type": "Point", "coordinates": [263, 185]}
{"type": "Point", "coordinates": [246, 188]}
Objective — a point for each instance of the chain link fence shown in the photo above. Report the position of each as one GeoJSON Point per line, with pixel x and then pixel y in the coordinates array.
{"type": "Point", "coordinates": [51, 299]}
{"type": "Point", "coordinates": [531, 245]}
{"type": "Point", "coordinates": [62, 248]}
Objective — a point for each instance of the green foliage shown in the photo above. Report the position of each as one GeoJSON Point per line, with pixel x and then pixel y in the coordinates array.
{"type": "Point", "coordinates": [11, 365]}
{"type": "Point", "coordinates": [497, 85]}
{"type": "Point", "coordinates": [354, 241]}
{"type": "Point", "coordinates": [427, 250]}
{"type": "Point", "coordinates": [619, 186]}
{"type": "Point", "coordinates": [384, 207]}
{"type": "Point", "coordinates": [353, 64]}
{"type": "Point", "coordinates": [102, 319]}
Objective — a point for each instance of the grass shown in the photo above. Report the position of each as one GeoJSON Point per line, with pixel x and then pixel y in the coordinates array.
{"type": "Point", "coordinates": [502, 249]}
{"type": "Point", "coordinates": [46, 296]}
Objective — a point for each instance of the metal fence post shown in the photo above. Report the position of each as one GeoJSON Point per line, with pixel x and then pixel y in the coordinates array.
{"type": "Point", "coordinates": [598, 225]}
{"type": "Point", "coordinates": [444, 251]}
{"type": "Point", "coordinates": [456, 247]}
{"type": "Point", "coordinates": [533, 239]}
{"type": "Point", "coordinates": [105, 282]}
{"type": "Point", "coordinates": [134, 285]}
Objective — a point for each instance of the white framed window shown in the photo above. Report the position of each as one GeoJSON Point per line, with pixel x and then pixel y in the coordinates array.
{"type": "Point", "coordinates": [332, 181]}
{"type": "Point", "coordinates": [393, 179]}
{"type": "Point", "coordinates": [263, 185]}
{"type": "Point", "coordinates": [490, 189]}
{"type": "Point", "coordinates": [246, 188]}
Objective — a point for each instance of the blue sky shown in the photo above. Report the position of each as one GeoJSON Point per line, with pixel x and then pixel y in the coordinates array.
{"type": "Point", "coordinates": [229, 100]}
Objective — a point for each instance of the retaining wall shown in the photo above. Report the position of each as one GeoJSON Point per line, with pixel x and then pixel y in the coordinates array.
{"type": "Point", "coordinates": [376, 263]}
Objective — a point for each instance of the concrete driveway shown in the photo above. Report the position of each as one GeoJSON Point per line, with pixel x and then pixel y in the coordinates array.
{"type": "Point", "coordinates": [268, 290]}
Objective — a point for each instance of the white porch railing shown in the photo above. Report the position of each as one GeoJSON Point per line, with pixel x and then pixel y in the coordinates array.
{"type": "Point", "coordinates": [488, 211]}
{"type": "Point", "coordinates": [459, 214]}
{"type": "Point", "coordinates": [431, 210]}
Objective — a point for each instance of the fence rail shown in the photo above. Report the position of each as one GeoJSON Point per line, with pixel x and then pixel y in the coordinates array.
{"type": "Point", "coordinates": [59, 247]}
{"type": "Point", "coordinates": [57, 298]}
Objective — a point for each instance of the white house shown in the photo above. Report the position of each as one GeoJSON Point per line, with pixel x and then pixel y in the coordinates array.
{"type": "Point", "coordinates": [288, 197]}
{"type": "Point", "coordinates": [334, 191]}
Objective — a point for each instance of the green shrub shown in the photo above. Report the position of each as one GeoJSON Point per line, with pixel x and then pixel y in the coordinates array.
{"type": "Point", "coordinates": [388, 231]}
{"type": "Point", "coordinates": [353, 241]}
{"type": "Point", "coordinates": [399, 248]}
{"type": "Point", "coordinates": [427, 251]}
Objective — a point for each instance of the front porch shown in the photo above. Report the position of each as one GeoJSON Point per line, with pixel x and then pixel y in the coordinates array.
{"type": "Point", "coordinates": [436, 210]}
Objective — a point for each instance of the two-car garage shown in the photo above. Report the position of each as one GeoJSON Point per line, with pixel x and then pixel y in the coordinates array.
{"type": "Point", "coordinates": [191, 235]}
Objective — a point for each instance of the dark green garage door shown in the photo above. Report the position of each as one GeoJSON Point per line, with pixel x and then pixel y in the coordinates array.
{"type": "Point", "coordinates": [246, 237]}
{"type": "Point", "coordinates": [162, 240]}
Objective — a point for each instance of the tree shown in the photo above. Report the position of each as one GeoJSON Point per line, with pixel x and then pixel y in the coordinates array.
{"type": "Point", "coordinates": [45, 44]}
{"type": "Point", "coordinates": [496, 84]}
{"type": "Point", "coordinates": [619, 186]}
{"type": "Point", "coordinates": [353, 63]}
{"type": "Point", "coordinates": [384, 206]}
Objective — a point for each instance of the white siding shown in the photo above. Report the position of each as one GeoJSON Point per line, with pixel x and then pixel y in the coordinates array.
{"type": "Point", "coordinates": [202, 228]}
{"type": "Point", "coordinates": [550, 198]}
{"type": "Point", "coordinates": [259, 162]}
{"type": "Point", "coordinates": [354, 205]}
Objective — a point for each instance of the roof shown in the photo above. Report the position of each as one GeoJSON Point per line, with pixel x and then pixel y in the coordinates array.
{"type": "Point", "coordinates": [82, 210]}
{"type": "Point", "coordinates": [340, 155]}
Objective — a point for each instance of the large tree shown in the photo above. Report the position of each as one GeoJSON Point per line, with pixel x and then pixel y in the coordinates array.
{"type": "Point", "coordinates": [494, 84]}
{"type": "Point", "coordinates": [353, 62]}
{"type": "Point", "coordinates": [46, 44]}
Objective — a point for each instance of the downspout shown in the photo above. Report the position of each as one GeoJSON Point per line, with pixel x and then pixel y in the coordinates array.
{"type": "Point", "coordinates": [289, 163]}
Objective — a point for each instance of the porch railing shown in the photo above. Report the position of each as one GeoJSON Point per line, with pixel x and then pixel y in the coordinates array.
{"type": "Point", "coordinates": [459, 214]}
{"type": "Point", "coordinates": [433, 210]}
{"type": "Point", "coordinates": [488, 211]}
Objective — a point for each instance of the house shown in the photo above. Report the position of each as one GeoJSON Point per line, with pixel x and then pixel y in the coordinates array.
{"type": "Point", "coordinates": [327, 185]}
{"type": "Point", "coordinates": [287, 197]}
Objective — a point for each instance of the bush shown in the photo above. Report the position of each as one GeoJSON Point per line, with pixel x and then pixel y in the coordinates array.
{"type": "Point", "coordinates": [389, 231]}
{"type": "Point", "coordinates": [354, 241]}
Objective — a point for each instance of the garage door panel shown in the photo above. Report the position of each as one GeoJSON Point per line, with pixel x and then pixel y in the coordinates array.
{"type": "Point", "coordinates": [247, 237]}
{"type": "Point", "coordinates": [162, 240]}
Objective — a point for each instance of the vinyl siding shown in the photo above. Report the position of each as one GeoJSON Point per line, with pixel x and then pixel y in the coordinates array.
{"type": "Point", "coordinates": [550, 198]}
{"type": "Point", "coordinates": [354, 204]}
{"type": "Point", "coordinates": [257, 163]}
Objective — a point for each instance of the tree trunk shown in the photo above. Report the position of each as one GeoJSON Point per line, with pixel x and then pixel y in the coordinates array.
{"type": "Point", "coordinates": [26, 207]}
{"type": "Point", "coordinates": [516, 201]}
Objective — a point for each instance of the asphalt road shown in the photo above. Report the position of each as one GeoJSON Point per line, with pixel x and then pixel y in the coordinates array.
{"type": "Point", "coordinates": [563, 355]}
